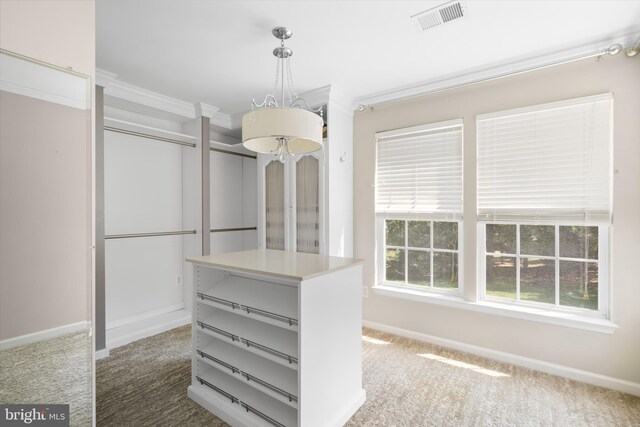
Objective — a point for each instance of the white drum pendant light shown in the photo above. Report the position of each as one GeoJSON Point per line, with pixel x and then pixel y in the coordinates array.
{"type": "Point", "coordinates": [282, 127]}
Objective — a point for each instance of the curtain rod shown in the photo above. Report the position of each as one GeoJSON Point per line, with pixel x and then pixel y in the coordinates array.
{"type": "Point", "coordinates": [611, 50]}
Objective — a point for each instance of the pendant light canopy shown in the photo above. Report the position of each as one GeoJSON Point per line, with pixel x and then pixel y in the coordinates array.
{"type": "Point", "coordinates": [286, 126]}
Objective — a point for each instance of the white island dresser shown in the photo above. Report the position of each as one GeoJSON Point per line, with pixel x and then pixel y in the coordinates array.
{"type": "Point", "coordinates": [277, 338]}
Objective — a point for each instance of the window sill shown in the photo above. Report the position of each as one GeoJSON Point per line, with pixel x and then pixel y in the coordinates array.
{"type": "Point", "coordinates": [534, 314]}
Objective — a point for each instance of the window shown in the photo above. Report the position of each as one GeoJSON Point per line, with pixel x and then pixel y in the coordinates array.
{"type": "Point", "coordinates": [419, 206]}
{"type": "Point", "coordinates": [544, 203]}
{"type": "Point", "coordinates": [552, 264]}
{"type": "Point", "coordinates": [421, 253]}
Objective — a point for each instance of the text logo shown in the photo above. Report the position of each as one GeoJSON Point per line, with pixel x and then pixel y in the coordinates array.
{"type": "Point", "coordinates": [34, 415]}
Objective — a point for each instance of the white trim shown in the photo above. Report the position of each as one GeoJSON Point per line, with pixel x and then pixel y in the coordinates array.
{"type": "Point", "coordinates": [143, 316]}
{"type": "Point", "coordinates": [205, 110]}
{"type": "Point", "coordinates": [514, 359]}
{"type": "Point", "coordinates": [36, 80]}
{"type": "Point", "coordinates": [215, 404]}
{"type": "Point", "coordinates": [124, 124]}
{"type": "Point", "coordinates": [567, 318]}
{"type": "Point", "coordinates": [101, 354]}
{"type": "Point", "coordinates": [341, 100]}
{"type": "Point", "coordinates": [104, 78]}
{"type": "Point", "coordinates": [221, 119]}
{"type": "Point", "coordinates": [495, 71]}
{"type": "Point", "coordinates": [44, 334]}
{"type": "Point", "coordinates": [236, 119]}
{"type": "Point", "coordinates": [117, 337]}
{"type": "Point", "coordinates": [140, 96]}
{"type": "Point", "coordinates": [216, 117]}
{"type": "Point", "coordinates": [601, 314]}
{"type": "Point", "coordinates": [317, 97]}
{"type": "Point", "coordinates": [341, 418]}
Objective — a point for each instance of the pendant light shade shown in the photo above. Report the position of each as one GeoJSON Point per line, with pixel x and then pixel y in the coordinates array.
{"type": "Point", "coordinates": [282, 126]}
{"type": "Point", "coordinates": [264, 129]}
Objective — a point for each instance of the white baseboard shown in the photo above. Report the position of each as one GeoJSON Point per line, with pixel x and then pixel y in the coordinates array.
{"type": "Point", "coordinates": [349, 409]}
{"type": "Point", "coordinates": [143, 316]}
{"type": "Point", "coordinates": [514, 359]}
{"type": "Point", "coordinates": [43, 335]}
{"type": "Point", "coordinates": [101, 354]}
{"type": "Point", "coordinates": [147, 327]}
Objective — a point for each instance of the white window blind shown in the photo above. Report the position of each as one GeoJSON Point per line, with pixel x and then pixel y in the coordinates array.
{"type": "Point", "coordinates": [547, 162]}
{"type": "Point", "coordinates": [419, 171]}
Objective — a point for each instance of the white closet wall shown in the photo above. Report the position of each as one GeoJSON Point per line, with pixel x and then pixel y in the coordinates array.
{"type": "Point", "coordinates": [143, 193]}
{"type": "Point", "coordinates": [250, 202]}
{"type": "Point", "coordinates": [233, 202]}
{"type": "Point", "coordinates": [146, 192]}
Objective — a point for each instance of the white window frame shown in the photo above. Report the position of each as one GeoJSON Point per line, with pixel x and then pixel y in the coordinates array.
{"type": "Point", "coordinates": [603, 310]}
{"type": "Point", "coordinates": [600, 321]}
{"type": "Point", "coordinates": [381, 246]}
{"type": "Point", "coordinates": [593, 213]}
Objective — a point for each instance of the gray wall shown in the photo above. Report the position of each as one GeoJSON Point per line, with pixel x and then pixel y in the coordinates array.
{"type": "Point", "coordinates": [615, 355]}
{"type": "Point", "coordinates": [44, 221]}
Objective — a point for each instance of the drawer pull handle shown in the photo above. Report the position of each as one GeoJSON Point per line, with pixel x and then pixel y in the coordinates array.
{"type": "Point", "coordinates": [219, 331]}
{"type": "Point", "coordinates": [261, 415]}
{"type": "Point", "coordinates": [221, 301]}
{"type": "Point", "coordinates": [219, 390]}
{"type": "Point", "coordinates": [269, 350]}
{"type": "Point", "coordinates": [232, 368]}
{"type": "Point", "coordinates": [249, 310]}
{"type": "Point", "coordinates": [250, 377]}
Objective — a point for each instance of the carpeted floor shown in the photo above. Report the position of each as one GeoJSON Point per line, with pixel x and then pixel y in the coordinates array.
{"type": "Point", "coordinates": [408, 383]}
{"type": "Point", "coordinates": [58, 370]}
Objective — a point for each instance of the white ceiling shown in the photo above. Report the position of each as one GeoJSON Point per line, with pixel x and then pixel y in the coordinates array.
{"type": "Point", "coordinates": [219, 52]}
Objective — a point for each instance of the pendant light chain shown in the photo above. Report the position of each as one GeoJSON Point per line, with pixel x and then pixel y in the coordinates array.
{"type": "Point", "coordinates": [277, 125]}
{"type": "Point", "coordinates": [292, 90]}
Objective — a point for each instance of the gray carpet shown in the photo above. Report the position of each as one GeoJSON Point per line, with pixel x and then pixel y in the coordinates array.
{"type": "Point", "coordinates": [408, 383]}
{"type": "Point", "coordinates": [58, 370]}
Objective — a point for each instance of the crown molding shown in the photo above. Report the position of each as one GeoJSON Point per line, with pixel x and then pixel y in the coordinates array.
{"type": "Point", "coordinates": [236, 119]}
{"type": "Point", "coordinates": [205, 110]}
{"type": "Point", "coordinates": [104, 77]}
{"type": "Point", "coordinates": [222, 120]}
{"type": "Point", "coordinates": [137, 95]}
{"type": "Point", "coordinates": [145, 97]}
{"type": "Point", "coordinates": [317, 97]}
{"type": "Point", "coordinates": [217, 118]}
{"type": "Point", "coordinates": [340, 99]}
{"type": "Point", "coordinates": [591, 49]}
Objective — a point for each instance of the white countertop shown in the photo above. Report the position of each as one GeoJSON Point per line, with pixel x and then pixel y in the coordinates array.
{"type": "Point", "coordinates": [280, 264]}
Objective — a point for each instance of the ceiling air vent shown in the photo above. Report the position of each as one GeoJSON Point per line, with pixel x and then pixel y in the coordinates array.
{"type": "Point", "coordinates": [438, 15]}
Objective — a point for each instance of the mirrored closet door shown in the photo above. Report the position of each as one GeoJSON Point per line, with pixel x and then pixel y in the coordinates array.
{"type": "Point", "coordinates": [46, 350]}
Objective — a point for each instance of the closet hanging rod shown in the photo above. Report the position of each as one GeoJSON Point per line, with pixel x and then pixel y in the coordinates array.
{"type": "Point", "coordinates": [159, 233]}
{"type": "Point", "coordinates": [149, 136]}
{"type": "Point", "coordinates": [219, 150]}
{"type": "Point", "coordinates": [223, 230]}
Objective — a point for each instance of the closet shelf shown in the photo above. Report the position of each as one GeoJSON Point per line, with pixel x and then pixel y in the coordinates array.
{"type": "Point", "coordinates": [246, 310]}
{"type": "Point", "coordinates": [272, 303]}
{"type": "Point", "coordinates": [276, 380]}
{"type": "Point", "coordinates": [238, 392]}
{"type": "Point", "coordinates": [257, 337]}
